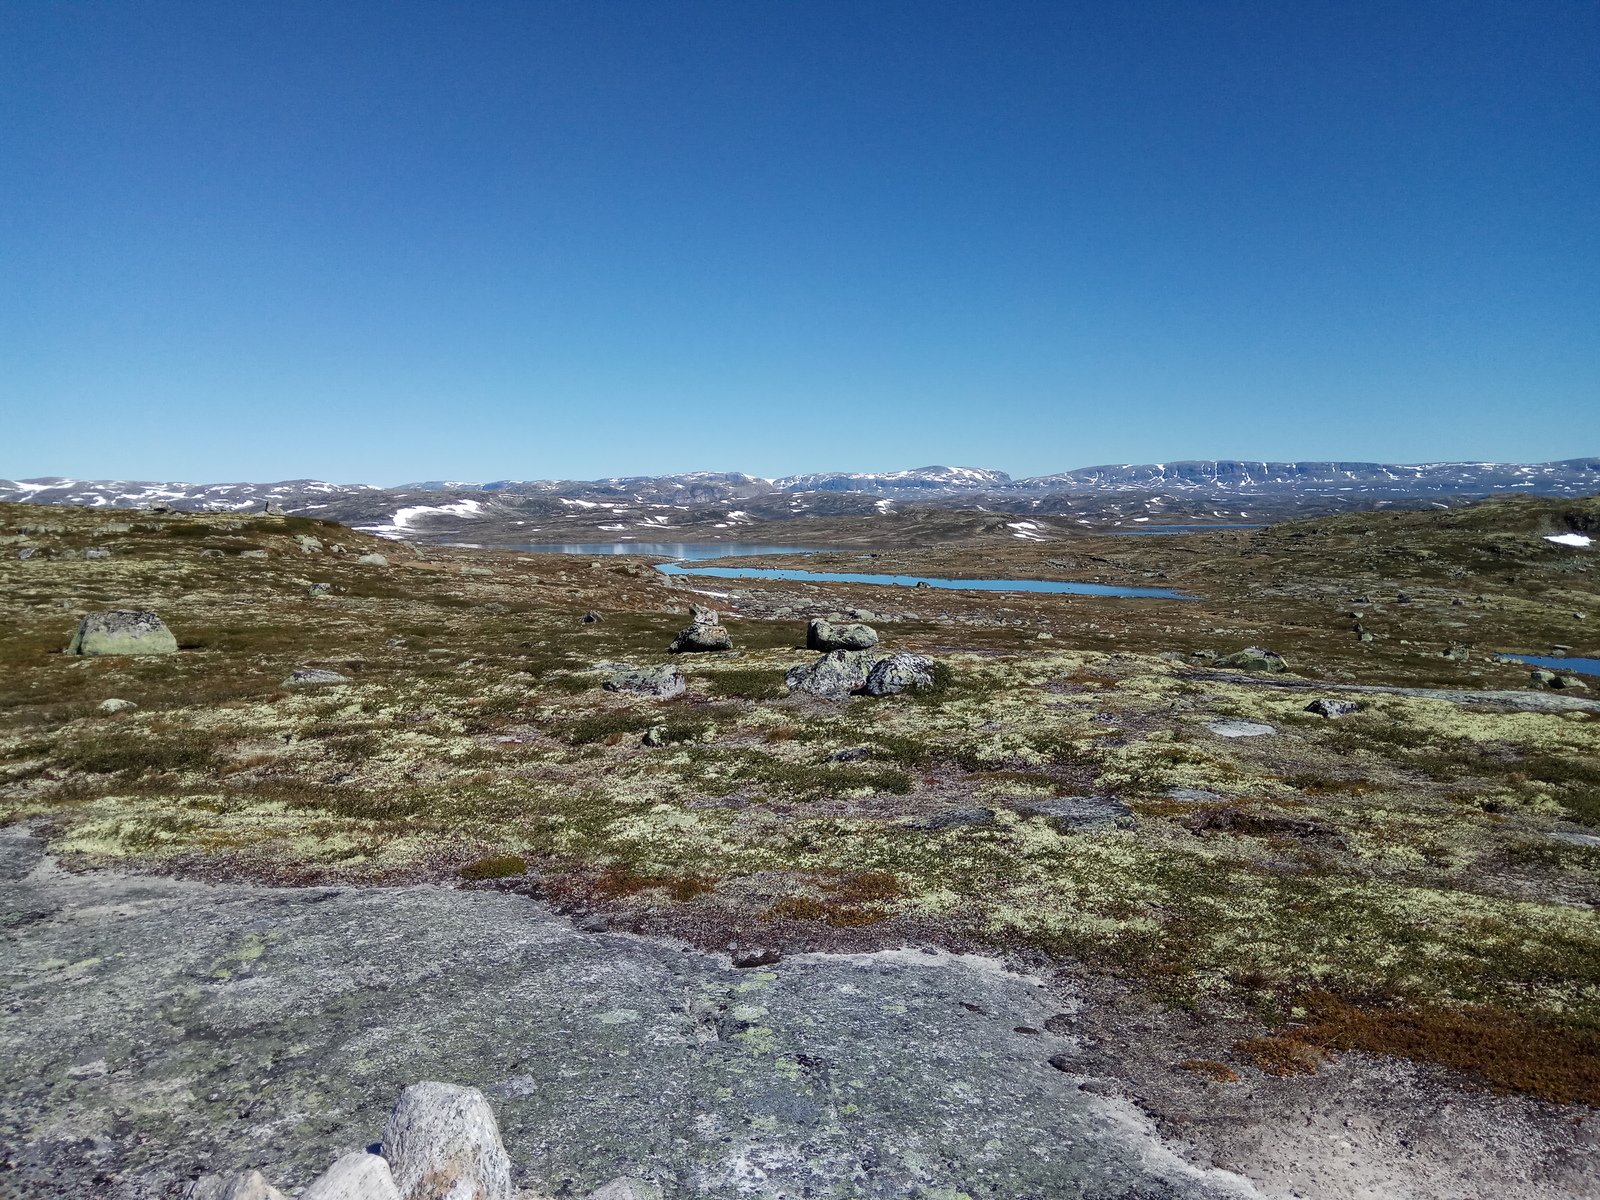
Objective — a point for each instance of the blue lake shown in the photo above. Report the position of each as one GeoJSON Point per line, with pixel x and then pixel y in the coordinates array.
{"type": "Point", "coordinates": [1182, 528]}
{"type": "Point", "coordinates": [680, 550]}
{"type": "Point", "coordinates": [1578, 666]}
{"type": "Point", "coordinates": [961, 585]}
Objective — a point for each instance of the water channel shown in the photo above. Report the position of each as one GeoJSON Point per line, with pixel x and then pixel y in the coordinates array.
{"type": "Point", "coordinates": [963, 585]}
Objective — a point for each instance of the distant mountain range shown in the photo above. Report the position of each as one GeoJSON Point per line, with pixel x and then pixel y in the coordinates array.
{"type": "Point", "coordinates": [1221, 479]}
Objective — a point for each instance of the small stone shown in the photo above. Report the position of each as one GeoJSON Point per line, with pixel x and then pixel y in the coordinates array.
{"type": "Point", "coordinates": [319, 591]}
{"type": "Point", "coordinates": [1084, 814]}
{"type": "Point", "coordinates": [122, 631]}
{"type": "Point", "coordinates": [376, 560]}
{"type": "Point", "coordinates": [253, 554]}
{"type": "Point", "coordinates": [659, 682]}
{"type": "Point", "coordinates": [592, 617]}
{"type": "Point", "coordinates": [898, 672]}
{"type": "Point", "coordinates": [626, 1188]}
{"type": "Point", "coordinates": [117, 706]}
{"type": "Point", "coordinates": [955, 818]}
{"type": "Point", "coordinates": [273, 509]}
{"type": "Point", "coordinates": [834, 676]}
{"type": "Point", "coordinates": [311, 676]}
{"type": "Point", "coordinates": [1332, 708]}
{"type": "Point", "coordinates": [1456, 654]}
{"type": "Point", "coordinates": [853, 754]}
{"type": "Point", "coordinates": [358, 1176]}
{"type": "Point", "coordinates": [1239, 729]}
{"type": "Point", "coordinates": [824, 635]}
{"type": "Point", "coordinates": [97, 552]}
{"type": "Point", "coordinates": [757, 957]}
{"type": "Point", "coordinates": [1043, 637]}
{"type": "Point", "coordinates": [442, 1143]}
{"type": "Point", "coordinates": [596, 923]}
{"type": "Point", "coordinates": [1254, 658]}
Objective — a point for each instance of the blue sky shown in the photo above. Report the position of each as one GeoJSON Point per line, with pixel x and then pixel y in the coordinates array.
{"type": "Point", "coordinates": [389, 241]}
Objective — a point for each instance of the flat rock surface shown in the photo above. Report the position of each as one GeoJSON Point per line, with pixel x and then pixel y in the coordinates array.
{"type": "Point", "coordinates": [157, 1029]}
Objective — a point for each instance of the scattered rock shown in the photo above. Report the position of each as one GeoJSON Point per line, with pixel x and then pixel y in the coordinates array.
{"type": "Point", "coordinates": [899, 671]}
{"type": "Point", "coordinates": [1456, 654]}
{"type": "Point", "coordinates": [273, 509]}
{"type": "Point", "coordinates": [311, 676]}
{"type": "Point", "coordinates": [376, 560]}
{"type": "Point", "coordinates": [253, 554]}
{"type": "Point", "coordinates": [471, 570]}
{"type": "Point", "coordinates": [1254, 658]}
{"type": "Point", "coordinates": [626, 1188]}
{"type": "Point", "coordinates": [97, 552]}
{"type": "Point", "coordinates": [1238, 729]}
{"type": "Point", "coordinates": [117, 706]}
{"type": "Point", "coordinates": [1191, 795]}
{"type": "Point", "coordinates": [853, 754]}
{"type": "Point", "coordinates": [122, 631]}
{"type": "Point", "coordinates": [824, 635]}
{"type": "Point", "coordinates": [246, 1185]}
{"type": "Point", "coordinates": [1084, 814]}
{"type": "Point", "coordinates": [955, 818]}
{"type": "Point", "coordinates": [698, 638]}
{"type": "Point", "coordinates": [363, 1176]}
{"type": "Point", "coordinates": [308, 544]}
{"type": "Point", "coordinates": [1332, 708]}
{"type": "Point", "coordinates": [442, 1143]}
{"type": "Point", "coordinates": [592, 617]}
{"type": "Point", "coordinates": [834, 676]}
{"type": "Point", "coordinates": [660, 682]}
{"type": "Point", "coordinates": [319, 590]}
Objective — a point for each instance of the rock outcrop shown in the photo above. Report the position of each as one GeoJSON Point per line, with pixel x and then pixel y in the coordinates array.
{"type": "Point", "coordinates": [1254, 658]}
{"type": "Point", "coordinates": [122, 631]}
{"type": "Point", "coordinates": [660, 682]}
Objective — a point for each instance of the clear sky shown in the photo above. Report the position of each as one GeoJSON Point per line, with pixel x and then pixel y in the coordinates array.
{"type": "Point", "coordinates": [397, 240]}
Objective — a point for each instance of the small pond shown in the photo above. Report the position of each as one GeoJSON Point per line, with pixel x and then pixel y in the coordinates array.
{"type": "Point", "coordinates": [679, 550]}
{"type": "Point", "coordinates": [1577, 666]}
{"type": "Point", "coordinates": [964, 585]}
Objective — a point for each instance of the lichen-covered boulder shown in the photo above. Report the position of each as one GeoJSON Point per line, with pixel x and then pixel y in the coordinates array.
{"type": "Point", "coordinates": [1254, 658]}
{"type": "Point", "coordinates": [834, 676]}
{"type": "Point", "coordinates": [122, 631]}
{"type": "Point", "coordinates": [442, 1143]}
{"type": "Point", "coordinates": [114, 706]}
{"type": "Point", "coordinates": [699, 614]}
{"type": "Point", "coordinates": [700, 639]}
{"type": "Point", "coordinates": [357, 1176]}
{"type": "Point", "coordinates": [898, 673]}
{"type": "Point", "coordinates": [824, 635]}
{"type": "Point", "coordinates": [661, 682]}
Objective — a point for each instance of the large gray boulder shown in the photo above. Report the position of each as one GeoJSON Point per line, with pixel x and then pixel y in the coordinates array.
{"type": "Point", "coordinates": [357, 1176]}
{"type": "Point", "coordinates": [898, 673]}
{"type": "Point", "coordinates": [122, 631]}
{"type": "Point", "coordinates": [834, 676]}
{"type": "Point", "coordinates": [1084, 814]}
{"type": "Point", "coordinates": [699, 639]}
{"type": "Point", "coordinates": [442, 1143]}
{"type": "Point", "coordinates": [660, 682]}
{"type": "Point", "coordinates": [824, 635]}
